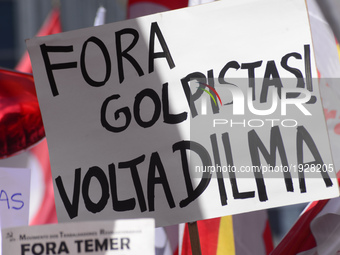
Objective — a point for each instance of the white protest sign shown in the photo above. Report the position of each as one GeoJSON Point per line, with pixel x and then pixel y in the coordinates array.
{"type": "Point", "coordinates": [14, 197]}
{"type": "Point", "coordinates": [121, 237]}
{"type": "Point", "coordinates": [164, 116]}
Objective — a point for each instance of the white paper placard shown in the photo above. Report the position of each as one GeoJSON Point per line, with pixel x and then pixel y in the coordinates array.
{"type": "Point", "coordinates": [119, 237]}
{"type": "Point", "coordinates": [14, 197]}
{"type": "Point", "coordinates": [121, 114]}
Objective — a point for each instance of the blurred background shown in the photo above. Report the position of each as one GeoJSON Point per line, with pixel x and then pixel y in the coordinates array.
{"type": "Point", "coordinates": [21, 19]}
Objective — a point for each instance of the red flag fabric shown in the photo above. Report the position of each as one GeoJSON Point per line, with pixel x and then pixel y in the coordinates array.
{"type": "Point", "coordinates": [304, 238]}
{"type": "Point", "coordinates": [45, 213]}
{"type": "Point", "coordinates": [52, 25]}
{"type": "Point", "coordinates": [208, 231]}
{"type": "Point", "coordinates": [240, 234]}
{"type": "Point", "coordinates": [137, 8]}
{"type": "Point", "coordinates": [300, 238]}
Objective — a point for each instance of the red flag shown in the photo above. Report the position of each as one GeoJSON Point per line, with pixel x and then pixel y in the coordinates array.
{"type": "Point", "coordinates": [137, 8]}
{"type": "Point", "coordinates": [208, 233]}
{"type": "Point", "coordinates": [240, 234]}
{"type": "Point", "coordinates": [46, 211]}
{"type": "Point", "coordinates": [304, 237]}
{"type": "Point", "coordinates": [300, 238]}
{"type": "Point", "coordinates": [52, 25]}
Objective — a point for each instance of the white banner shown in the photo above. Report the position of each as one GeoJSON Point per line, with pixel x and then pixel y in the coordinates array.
{"type": "Point", "coordinates": [14, 197]}
{"type": "Point", "coordinates": [128, 237]}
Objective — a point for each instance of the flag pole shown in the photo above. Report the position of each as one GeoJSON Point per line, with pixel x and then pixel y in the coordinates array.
{"type": "Point", "coordinates": [194, 238]}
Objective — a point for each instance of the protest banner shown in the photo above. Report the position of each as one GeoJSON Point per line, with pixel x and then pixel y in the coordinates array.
{"type": "Point", "coordinates": [190, 114]}
{"type": "Point", "coordinates": [119, 237]}
{"type": "Point", "coordinates": [14, 197]}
